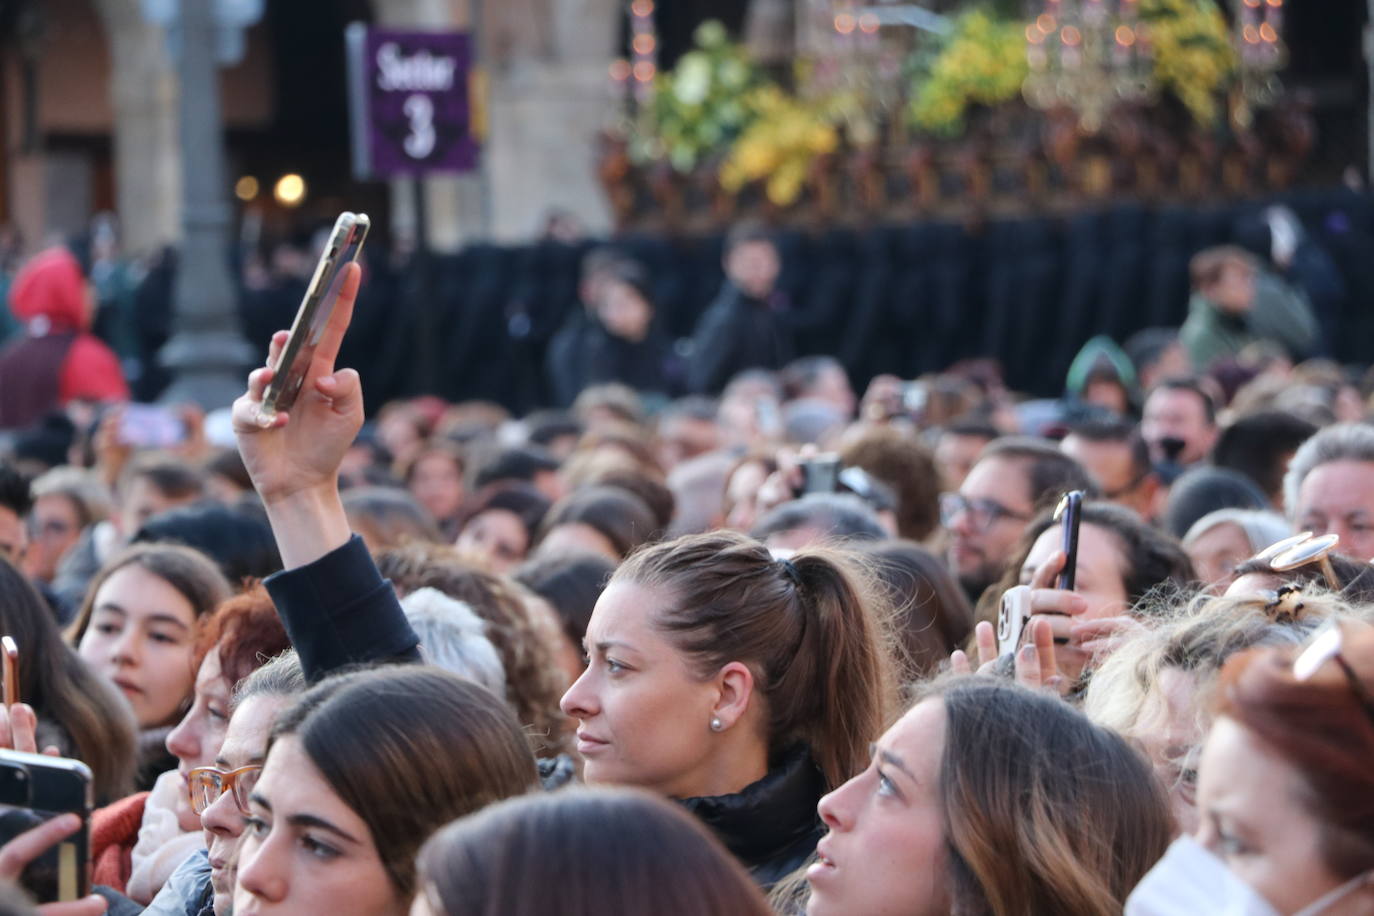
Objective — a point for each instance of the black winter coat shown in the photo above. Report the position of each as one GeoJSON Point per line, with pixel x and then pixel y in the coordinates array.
{"type": "Point", "coordinates": [736, 333]}
{"type": "Point", "coordinates": [772, 825]}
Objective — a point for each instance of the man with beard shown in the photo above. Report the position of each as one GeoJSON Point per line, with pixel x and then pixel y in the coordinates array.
{"type": "Point", "coordinates": [1012, 480]}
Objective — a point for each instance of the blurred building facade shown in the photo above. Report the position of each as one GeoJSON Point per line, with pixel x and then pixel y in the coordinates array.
{"type": "Point", "coordinates": [88, 96]}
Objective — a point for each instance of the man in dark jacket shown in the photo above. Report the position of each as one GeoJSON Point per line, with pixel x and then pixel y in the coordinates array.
{"type": "Point", "coordinates": [747, 327]}
{"type": "Point", "coordinates": [565, 362]}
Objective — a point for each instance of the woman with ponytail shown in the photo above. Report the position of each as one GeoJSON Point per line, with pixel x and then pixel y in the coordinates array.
{"type": "Point", "coordinates": [745, 687]}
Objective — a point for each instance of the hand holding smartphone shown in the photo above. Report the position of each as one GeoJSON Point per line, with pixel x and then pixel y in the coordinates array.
{"type": "Point", "coordinates": [35, 789]}
{"type": "Point", "coordinates": [1013, 615]}
{"type": "Point", "coordinates": [344, 245]}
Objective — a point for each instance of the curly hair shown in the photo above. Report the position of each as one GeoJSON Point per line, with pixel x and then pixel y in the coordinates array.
{"type": "Point", "coordinates": [247, 631]}
{"type": "Point", "coordinates": [527, 651]}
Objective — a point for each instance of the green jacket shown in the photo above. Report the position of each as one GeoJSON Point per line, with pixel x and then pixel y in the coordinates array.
{"type": "Point", "coordinates": [1280, 314]}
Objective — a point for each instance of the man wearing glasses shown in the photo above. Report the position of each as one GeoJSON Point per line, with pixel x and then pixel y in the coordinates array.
{"type": "Point", "coordinates": [1329, 488]}
{"type": "Point", "coordinates": [1012, 479]}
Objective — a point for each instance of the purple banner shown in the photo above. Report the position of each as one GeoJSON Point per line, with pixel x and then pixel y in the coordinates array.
{"type": "Point", "coordinates": [410, 105]}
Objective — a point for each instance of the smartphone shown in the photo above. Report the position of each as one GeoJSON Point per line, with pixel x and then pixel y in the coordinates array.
{"type": "Point", "coordinates": [820, 474]}
{"type": "Point", "coordinates": [33, 789]}
{"type": "Point", "coordinates": [343, 247]}
{"type": "Point", "coordinates": [150, 426]}
{"type": "Point", "coordinates": [9, 653]}
{"type": "Point", "coordinates": [1069, 513]}
{"type": "Point", "coordinates": [915, 397]}
{"type": "Point", "coordinates": [1012, 616]}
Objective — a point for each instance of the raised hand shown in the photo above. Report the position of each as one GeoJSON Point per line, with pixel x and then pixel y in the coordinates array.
{"type": "Point", "coordinates": [293, 457]}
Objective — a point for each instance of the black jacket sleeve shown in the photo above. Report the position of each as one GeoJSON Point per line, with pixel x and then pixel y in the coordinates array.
{"type": "Point", "coordinates": [339, 611]}
{"type": "Point", "coordinates": [713, 348]}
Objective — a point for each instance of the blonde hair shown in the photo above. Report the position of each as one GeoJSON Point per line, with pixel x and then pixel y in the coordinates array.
{"type": "Point", "coordinates": [1197, 639]}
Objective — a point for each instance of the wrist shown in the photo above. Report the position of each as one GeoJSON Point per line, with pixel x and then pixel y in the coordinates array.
{"type": "Point", "coordinates": [307, 523]}
{"type": "Point", "coordinates": [302, 498]}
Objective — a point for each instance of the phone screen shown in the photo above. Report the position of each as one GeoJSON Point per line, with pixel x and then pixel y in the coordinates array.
{"type": "Point", "coordinates": [150, 426]}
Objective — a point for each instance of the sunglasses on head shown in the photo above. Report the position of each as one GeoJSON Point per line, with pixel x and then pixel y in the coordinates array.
{"type": "Point", "coordinates": [1302, 550]}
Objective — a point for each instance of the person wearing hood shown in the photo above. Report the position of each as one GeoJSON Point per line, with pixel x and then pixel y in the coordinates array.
{"type": "Point", "coordinates": [57, 360]}
{"type": "Point", "coordinates": [1102, 375]}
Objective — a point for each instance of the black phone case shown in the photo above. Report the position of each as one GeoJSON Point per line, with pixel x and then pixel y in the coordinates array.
{"type": "Point", "coordinates": [50, 786]}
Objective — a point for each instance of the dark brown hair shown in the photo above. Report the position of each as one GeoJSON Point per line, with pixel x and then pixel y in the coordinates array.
{"type": "Point", "coordinates": [1152, 559]}
{"type": "Point", "coordinates": [584, 852]}
{"type": "Point", "coordinates": [1049, 472]}
{"type": "Point", "coordinates": [812, 631]}
{"type": "Point", "coordinates": [172, 477]}
{"type": "Point", "coordinates": [1320, 728]}
{"type": "Point", "coordinates": [409, 749]}
{"type": "Point", "coordinates": [448, 449]}
{"type": "Point", "coordinates": [931, 614]}
{"type": "Point", "coordinates": [615, 513]}
{"type": "Point", "coordinates": [93, 722]}
{"type": "Point", "coordinates": [194, 575]}
{"type": "Point", "coordinates": [388, 516]}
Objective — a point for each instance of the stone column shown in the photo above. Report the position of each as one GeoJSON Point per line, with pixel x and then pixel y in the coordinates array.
{"type": "Point", "coordinates": [147, 152]}
{"type": "Point", "coordinates": [549, 100]}
{"type": "Point", "coordinates": [207, 353]}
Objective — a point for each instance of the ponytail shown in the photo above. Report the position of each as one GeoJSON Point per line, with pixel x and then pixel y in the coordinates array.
{"type": "Point", "coordinates": [844, 666]}
{"type": "Point", "coordinates": [811, 630]}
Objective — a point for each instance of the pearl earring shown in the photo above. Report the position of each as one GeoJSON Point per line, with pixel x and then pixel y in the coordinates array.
{"type": "Point", "coordinates": [716, 724]}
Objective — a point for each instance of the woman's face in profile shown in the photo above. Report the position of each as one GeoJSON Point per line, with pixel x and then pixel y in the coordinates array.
{"type": "Point", "coordinates": [643, 713]}
{"type": "Point", "coordinates": [304, 850]}
{"type": "Point", "coordinates": [885, 852]}
{"type": "Point", "coordinates": [1254, 816]}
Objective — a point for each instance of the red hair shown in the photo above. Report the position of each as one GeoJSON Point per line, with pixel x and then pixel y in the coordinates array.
{"type": "Point", "coordinates": [1320, 727]}
{"type": "Point", "coordinates": [247, 632]}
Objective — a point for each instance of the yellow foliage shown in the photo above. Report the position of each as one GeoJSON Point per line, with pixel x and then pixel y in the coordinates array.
{"type": "Point", "coordinates": [783, 137]}
{"type": "Point", "coordinates": [1193, 55]}
{"type": "Point", "coordinates": [982, 63]}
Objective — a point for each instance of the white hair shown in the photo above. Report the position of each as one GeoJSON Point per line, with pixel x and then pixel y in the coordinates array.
{"type": "Point", "coordinates": [1342, 442]}
{"type": "Point", "coordinates": [454, 638]}
{"type": "Point", "coordinates": [1261, 527]}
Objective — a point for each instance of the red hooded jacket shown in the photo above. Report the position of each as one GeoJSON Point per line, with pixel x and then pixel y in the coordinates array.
{"type": "Point", "coordinates": [57, 360]}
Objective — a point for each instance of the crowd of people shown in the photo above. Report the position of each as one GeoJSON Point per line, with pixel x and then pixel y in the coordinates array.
{"type": "Point", "coordinates": [719, 636]}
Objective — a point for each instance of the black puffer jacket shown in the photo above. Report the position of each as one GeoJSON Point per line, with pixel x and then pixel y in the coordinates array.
{"type": "Point", "coordinates": [772, 825]}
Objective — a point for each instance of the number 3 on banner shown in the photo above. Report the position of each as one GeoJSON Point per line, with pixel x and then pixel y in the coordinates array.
{"type": "Point", "coordinates": [420, 142]}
